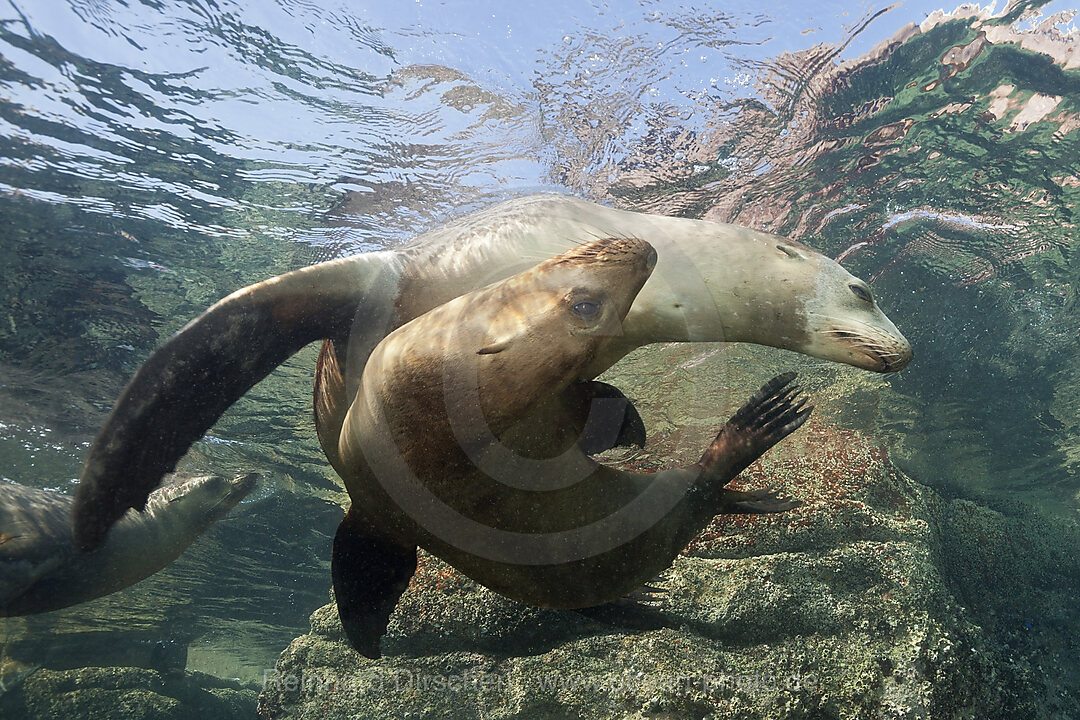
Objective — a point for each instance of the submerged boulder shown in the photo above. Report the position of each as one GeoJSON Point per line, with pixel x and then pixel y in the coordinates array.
{"type": "Point", "coordinates": [841, 608]}
{"type": "Point", "coordinates": [126, 693]}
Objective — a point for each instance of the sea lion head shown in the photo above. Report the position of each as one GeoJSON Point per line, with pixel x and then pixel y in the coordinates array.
{"type": "Point", "coordinates": [733, 284]}
{"type": "Point", "coordinates": [203, 499]}
{"type": "Point", "coordinates": [487, 357]}
{"type": "Point", "coordinates": [798, 299]}
{"type": "Point", "coordinates": [537, 331]}
{"type": "Point", "coordinates": [844, 323]}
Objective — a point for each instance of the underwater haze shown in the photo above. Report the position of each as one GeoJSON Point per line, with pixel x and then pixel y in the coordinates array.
{"type": "Point", "coordinates": [156, 155]}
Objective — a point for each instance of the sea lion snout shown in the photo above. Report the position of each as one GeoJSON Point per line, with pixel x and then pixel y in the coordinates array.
{"type": "Point", "coordinates": [869, 349]}
{"type": "Point", "coordinates": [845, 323]}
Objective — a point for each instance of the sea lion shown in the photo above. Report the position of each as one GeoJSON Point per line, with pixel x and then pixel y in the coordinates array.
{"type": "Point", "coordinates": [456, 441]}
{"type": "Point", "coordinates": [712, 282]}
{"type": "Point", "coordinates": [96, 648]}
{"type": "Point", "coordinates": [40, 570]}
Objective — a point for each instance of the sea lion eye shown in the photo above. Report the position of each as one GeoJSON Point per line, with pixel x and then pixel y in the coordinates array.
{"type": "Point", "coordinates": [861, 293]}
{"type": "Point", "coordinates": [586, 308]}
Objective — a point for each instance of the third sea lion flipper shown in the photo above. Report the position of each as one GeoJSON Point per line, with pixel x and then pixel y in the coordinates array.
{"type": "Point", "coordinates": [185, 386]}
{"type": "Point", "coordinates": [370, 574]}
{"type": "Point", "coordinates": [756, 502]}
{"type": "Point", "coordinates": [612, 420]}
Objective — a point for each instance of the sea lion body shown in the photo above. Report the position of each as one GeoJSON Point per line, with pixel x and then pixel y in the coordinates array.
{"type": "Point", "coordinates": [712, 282]}
{"type": "Point", "coordinates": [430, 450]}
{"type": "Point", "coordinates": [40, 569]}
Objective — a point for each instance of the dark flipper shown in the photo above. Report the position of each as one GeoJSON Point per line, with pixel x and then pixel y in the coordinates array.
{"type": "Point", "coordinates": [771, 414]}
{"type": "Point", "coordinates": [370, 574]}
{"type": "Point", "coordinates": [612, 420]}
{"type": "Point", "coordinates": [185, 386]}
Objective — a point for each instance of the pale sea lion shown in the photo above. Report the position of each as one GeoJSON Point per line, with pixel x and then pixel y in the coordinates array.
{"type": "Point", "coordinates": [712, 282]}
{"type": "Point", "coordinates": [96, 648]}
{"type": "Point", "coordinates": [457, 441]}
{"type": "Point", "coordinates": [40, 569]}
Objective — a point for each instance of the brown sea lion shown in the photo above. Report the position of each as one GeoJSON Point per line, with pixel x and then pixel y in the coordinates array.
{"type": "Point", "coordinates": [712, 282]}
{"type": "Point", "coordinates": [461, 440]}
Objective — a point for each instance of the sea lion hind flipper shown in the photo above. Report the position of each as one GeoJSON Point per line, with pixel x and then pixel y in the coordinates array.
{"type": "Point", "coordinates": [370, 574]}
{"type": "Point", "coordinates": [612, 419]}
{"type": "Point", "coordinates": [186, 384]}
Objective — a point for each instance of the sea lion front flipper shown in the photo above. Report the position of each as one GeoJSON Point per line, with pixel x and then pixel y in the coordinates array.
{"type": "Point", "coordinates": [612, 419]}
{"type": "Point", "coordinates": [186, 384]}
{"type": "Point", "coordinates": [370, 574]}
{"type": "Point", "coordinates": [771, 414]}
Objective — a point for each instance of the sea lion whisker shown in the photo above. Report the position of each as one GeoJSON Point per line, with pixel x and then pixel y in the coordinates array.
{"type": "Point", "coordinates": [847, 334]}
{"type": "Point", "coordinates": [854, 326]}
{"type": "Point", "coordinates": [886, 353]}
{"type": "Point", "coordinates": [851, 334]}
{"type": "Point", "coordinates": [874, 340]}
{"type": "Point", "coordinates": [598, 234]}
{"type": "Point", "coordinates": [591, 236]}
{"type": "Point", "coordinates": [880, 349]}
{"type": "Point", "coordinates": [875, 346]}
{"type": "Point", "coordinates": [841, 321]}
{"type": "Point", "coordinates": [869, 343]}
{"type": "Point", "coordinates": [858, 337]}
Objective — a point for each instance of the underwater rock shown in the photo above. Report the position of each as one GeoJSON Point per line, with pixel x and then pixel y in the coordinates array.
{"type": "Point", "coordinates": [123, 693]}
{"type": "Point", "coordinates": [841, 608]}
{"type": "Point", "coordinates": [1016, 571]}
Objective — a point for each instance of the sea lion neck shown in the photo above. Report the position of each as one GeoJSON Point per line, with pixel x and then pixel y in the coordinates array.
{"type": "Point", "coordinates": [724, 283]}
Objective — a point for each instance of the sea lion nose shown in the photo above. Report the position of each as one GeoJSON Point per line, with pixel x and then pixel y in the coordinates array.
{"type": "Point", "coordinates": [905, 355]}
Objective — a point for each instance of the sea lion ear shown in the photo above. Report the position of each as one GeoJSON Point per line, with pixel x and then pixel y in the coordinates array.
{"type": "Point", "coordinates": [496, 347]}
{"type": "Point", "coordinates": [790, 251]}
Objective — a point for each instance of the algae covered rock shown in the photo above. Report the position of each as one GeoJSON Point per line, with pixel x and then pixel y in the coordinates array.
{"type": "Point", "coordinates": [838, 609]}
{"type": "Point", "coordinates": [126, 693]}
